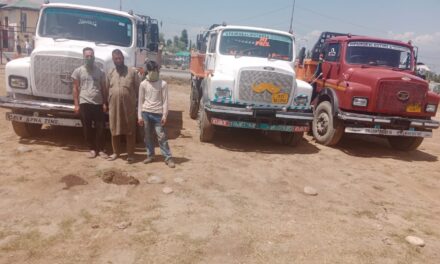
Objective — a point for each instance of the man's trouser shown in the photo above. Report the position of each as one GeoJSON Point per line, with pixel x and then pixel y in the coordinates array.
{"type": "Point", "coordinates": [92, 118]}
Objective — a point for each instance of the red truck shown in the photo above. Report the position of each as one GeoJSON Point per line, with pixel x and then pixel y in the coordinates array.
{"type": "Point", "coordinates": [366, 85]}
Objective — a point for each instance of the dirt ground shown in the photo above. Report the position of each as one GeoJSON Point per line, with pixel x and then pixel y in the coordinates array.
{"type": "Point", "coordinates": [237, 200]}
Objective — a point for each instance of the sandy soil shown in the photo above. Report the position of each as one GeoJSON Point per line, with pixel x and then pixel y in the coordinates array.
{"type": "Point", "coordinates": [238, 200]}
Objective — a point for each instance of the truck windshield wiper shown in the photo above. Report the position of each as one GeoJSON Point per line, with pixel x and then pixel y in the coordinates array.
{"type": "Point", "coordinates": [107, 42]}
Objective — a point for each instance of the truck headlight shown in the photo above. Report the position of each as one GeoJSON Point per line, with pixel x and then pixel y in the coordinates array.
{"type": "Point", "coordinates": [360, 101]}
{"type": "Point", "coordinates": [301, 100]}
{"type": "Point", "coordinates": [223, 93]}
{"type": "Point", "coordinates": [18, 82]}
{"type": "Point", "coordinates": [431, 108]}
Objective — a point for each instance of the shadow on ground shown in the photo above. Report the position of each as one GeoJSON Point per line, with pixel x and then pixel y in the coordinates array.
{"type": "Point", "coordinates": [243, 140]}
{"type": "Point", "coordinates": [377, 147]}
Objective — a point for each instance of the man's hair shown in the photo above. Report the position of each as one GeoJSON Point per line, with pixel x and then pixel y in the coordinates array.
{"type": "Point", "coordinates": [87, 49]}
{"type": "Point", "coordinates": [152, 66]}
{"type": "Point", "coordinates": [118, 52]}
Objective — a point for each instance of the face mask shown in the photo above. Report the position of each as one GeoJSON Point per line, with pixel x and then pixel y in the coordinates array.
{"type": "Point", "coordinates": [153, 76]}
{"type": "Point", "coordinates": [89, 62]}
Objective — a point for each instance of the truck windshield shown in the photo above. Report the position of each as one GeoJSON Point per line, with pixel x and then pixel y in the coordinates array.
{"type": "Point", "coordinates": [256, 44]}
{"type": "Point", "coordinates": [379, 54]}
{"type": "Point", "coordinates": [86, 25]}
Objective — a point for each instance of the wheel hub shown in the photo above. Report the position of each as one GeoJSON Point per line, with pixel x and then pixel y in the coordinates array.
{"type": "Point", "coordinates": [322, 123]}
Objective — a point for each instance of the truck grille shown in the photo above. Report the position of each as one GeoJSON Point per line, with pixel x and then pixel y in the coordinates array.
{"type": "Point", "coordinates": [253, 78]}
{"type": "Point", "coordinates": [52, 75]}
{"type": "Point", "coordinates": [388, 100]}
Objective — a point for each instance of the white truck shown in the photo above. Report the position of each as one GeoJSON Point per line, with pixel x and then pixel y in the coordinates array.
{"type": "Point", "coordinates": [39, 87]}
{"type": "Point", "coordinates": [244, 77]}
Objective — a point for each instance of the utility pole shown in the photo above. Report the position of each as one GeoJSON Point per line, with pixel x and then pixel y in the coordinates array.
{"type": "Point", "coordinates": [120, 5]}
{"type": "Point", "coordinates": [291, 17]}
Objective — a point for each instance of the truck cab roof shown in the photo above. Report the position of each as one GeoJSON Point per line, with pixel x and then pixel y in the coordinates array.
{"type": "Point", "coordinates": [365, 38]}
{"type": "Point", "coordinates": [92, 8]}
{"type": "Point", "coordinates": [221, 27]}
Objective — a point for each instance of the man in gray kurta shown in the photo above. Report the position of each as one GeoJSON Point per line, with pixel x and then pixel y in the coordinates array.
{"type": "Point", "coordinates": [122, 85]}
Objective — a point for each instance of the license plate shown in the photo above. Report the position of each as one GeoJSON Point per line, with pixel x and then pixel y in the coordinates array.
{"type": "Point", "coordinates": [260, 126]}
{"type": "Point", "coordinates": [44, 120]}
{"type": "Point", "coordinates": [413, 108]}
{"type": "Point", "coordinates": [387, 132]}
{"type": "Point", "coordinates": [281, 98]}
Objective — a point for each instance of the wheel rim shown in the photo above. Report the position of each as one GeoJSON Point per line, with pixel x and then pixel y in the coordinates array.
{"type": "Point", "coordinates": [322, 123]}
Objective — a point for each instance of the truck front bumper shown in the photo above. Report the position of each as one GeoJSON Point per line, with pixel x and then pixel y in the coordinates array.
{"type": "Point", "coordinates": [40, 112]}
{"type": "Point", "coordinates": [34, 105]}
{"type": "Point", "coordinates": [387, 125]}
{"type": "Point", "coordinates": [259, 118]}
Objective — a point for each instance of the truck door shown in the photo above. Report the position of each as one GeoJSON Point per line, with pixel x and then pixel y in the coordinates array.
{"type": "Point", "coordinates": [210, 53]}
{"type": "Point", "coordinates": [331, 66]}
{"type": "Point", "coordinates": [141, 51]}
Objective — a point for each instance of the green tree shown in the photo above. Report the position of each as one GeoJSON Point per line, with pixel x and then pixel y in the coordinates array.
{"type": "Point", "coordinates": [162, 38]}
{"type": "Point", "coordinates": [184, 37]}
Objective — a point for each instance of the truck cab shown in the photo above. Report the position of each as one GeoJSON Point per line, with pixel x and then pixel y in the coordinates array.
{"type": "Point", "coordinates": [39, 87]}
{"type": "Point", "coordinates": [243, 77]}
{"type": "Point", "coordinates": [369, 86]}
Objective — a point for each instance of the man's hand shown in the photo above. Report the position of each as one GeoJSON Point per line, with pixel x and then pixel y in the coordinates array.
{"type": "Point", "coordinates": [141, 122]}
{"type": "Point", "coordinates": [163, 121]}
{"type": "Point", "coordinates": [105, 108]}
{"type": "Point", "coordinates": [76, 109]}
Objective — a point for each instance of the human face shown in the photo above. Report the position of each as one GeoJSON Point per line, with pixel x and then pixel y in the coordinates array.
{"type": "Point", "coordinates": [89, 58]}
{"type": "Point", "coordinates": [88, 54]}
{"type": "Point", "coordinates": [118, 59]}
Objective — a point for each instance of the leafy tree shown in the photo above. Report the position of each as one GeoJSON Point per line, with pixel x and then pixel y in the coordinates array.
{"type": "Point", "coordinates": [184, 37]}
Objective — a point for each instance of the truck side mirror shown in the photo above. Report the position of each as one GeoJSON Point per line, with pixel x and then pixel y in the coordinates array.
{"type": "Point", "coordinates": [153, 40]}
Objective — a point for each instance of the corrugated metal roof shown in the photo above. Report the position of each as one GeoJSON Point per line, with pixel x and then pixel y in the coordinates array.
{"type": "Point", "coordinates": [27, 4]}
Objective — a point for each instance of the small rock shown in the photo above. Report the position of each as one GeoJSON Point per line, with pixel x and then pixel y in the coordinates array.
{"type": "Point", "coordinates": [95, 226]}
{"type": "Point", "coordinates": [310, 191]}
{"type": "Point", "coordinates": [123, 225]}
{"type": "Point", "coordinates": [133, 181]}
{"type": "Point", "coordinates": [415, 241]}
{"type": "Point", "coordinates": [387, 241]}
{"type": "Point", "coordinates": [23, 149]}
{"type": "Point", "coordinates": [179, 180]}
{"type": "Point", "coordinates": [155, 180]}
{"type": "Point", "coordinates": [167, 190]}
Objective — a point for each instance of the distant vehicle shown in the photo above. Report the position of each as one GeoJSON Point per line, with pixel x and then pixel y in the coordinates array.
{"type": "Point", "coordinates": [39, 87]}
{"type": "Point", "coordinates": [243, 77]}
{"type": "Point", "coordinates": [369, 86]}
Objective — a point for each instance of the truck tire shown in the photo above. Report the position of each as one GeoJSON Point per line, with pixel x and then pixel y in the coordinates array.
{"type": "Point", "coordinates": [206, 128]}
{"type": "Point", "coordinates": [194, 102]}
{"type": "Point", "coordinates": [326, 129]}
{"type": "Point", "coordinates": [291, 139]}
{"type": "Point", "coordinates": [26, 130]}
{"type": "Point", "coordinates": [405, 143]}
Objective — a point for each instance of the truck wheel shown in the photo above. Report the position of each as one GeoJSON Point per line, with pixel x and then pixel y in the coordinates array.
{"type": "Point", "coordinates": [194, 100]}
{"type": "Point", "coordinates": [206, 128]}
{"type": "Point", "coordinates": [26, 130]}
{"type": "Point", "coordinates": [405, 143]}
{"type": "Point", "coordinates": [291, 139]}
{"type": "Point", "coordinates": [326, 129]}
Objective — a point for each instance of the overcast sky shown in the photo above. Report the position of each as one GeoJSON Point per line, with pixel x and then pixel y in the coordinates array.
{"type": "Point", "coordinates": [404, 20]}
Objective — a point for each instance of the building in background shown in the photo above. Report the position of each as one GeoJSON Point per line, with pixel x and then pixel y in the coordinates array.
{"type": "Point", "coordinates": [18, 21]}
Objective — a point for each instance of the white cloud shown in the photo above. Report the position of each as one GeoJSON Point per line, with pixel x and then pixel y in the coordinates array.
{"type": "Point", "coordinates": [428, 44]}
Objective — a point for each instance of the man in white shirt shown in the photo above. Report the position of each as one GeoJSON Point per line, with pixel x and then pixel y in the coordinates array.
{"type": "Point", "coordinates": [153, 112]}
